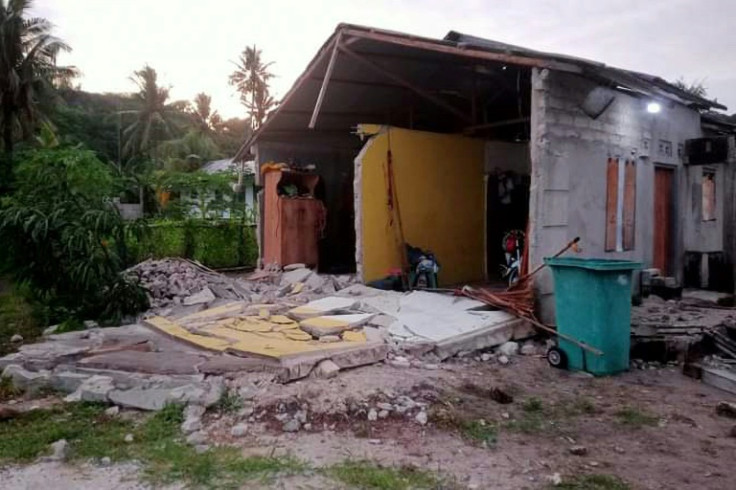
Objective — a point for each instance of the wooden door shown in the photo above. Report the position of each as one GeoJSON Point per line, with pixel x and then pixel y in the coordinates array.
{"type": "Point", "coordinates": [664, 179]}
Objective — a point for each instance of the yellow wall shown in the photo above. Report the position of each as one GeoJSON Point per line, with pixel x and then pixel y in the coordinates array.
{"type": "Point", "coordinates": [439, 182]}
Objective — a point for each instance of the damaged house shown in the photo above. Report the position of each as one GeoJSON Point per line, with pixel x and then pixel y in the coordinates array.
{"type": "Point", "coordinates": [448, 144]}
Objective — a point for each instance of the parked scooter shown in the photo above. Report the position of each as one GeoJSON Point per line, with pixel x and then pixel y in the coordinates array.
{"type": "Point", "coordinates": [513, 248]}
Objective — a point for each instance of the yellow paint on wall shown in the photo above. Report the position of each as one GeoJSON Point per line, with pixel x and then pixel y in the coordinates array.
{"type": "Point", "coordinates": [439, 184]}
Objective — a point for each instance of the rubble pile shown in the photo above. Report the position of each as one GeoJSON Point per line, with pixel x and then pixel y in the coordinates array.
{"type": "Point", "coordinates": [181, 282]}
{"type": "Point", "coordinates": [175, 282]}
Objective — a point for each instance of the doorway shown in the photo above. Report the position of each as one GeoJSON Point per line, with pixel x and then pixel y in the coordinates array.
{"type": "Point", "coordinates": [507, 209]}
{"type": "Point", "coordinates": [664, 179]}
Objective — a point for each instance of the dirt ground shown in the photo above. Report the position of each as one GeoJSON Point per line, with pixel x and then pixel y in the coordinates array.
{"type": "Point", "coordinates": [654, 429]}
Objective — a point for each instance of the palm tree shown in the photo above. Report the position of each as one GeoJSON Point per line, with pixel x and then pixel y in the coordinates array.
{"type": "Point", "coordinates": [251, 80]}
{"type": "Point", "coordinates": [152, 121]}
{"type": "Point", "coordinates": [205, 120]}
{"type": "Point", "coordinates": [28, 69]}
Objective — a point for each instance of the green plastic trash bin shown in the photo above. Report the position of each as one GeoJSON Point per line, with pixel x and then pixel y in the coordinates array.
{"type": "Point", "coordinates": [593, 305]}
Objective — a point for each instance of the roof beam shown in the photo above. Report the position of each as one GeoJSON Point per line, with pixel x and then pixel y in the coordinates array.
{"type": "Point", "coordinates": [325, 81]}
{"type": "Point", "coordinates": [441, 47]}
{"type": "Point", "coordinates": [401, 81]}
{"type": "Point", "coordinates": [359, 83]}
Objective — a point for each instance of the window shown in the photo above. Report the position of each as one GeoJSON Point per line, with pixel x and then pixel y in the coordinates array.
{"type": "Point", "coordinates": [620, 204]}
{"type": "Point", "coordinates": [708, 190]}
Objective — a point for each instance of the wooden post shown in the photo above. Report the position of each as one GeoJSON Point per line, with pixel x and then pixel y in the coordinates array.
{"type": "Point", "coordinates": [325, 81]}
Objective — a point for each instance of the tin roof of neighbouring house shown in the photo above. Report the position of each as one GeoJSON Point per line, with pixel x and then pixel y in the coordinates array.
{"type": "Point", "coordinates": [376, 72]}
{"type": "Point", "coordinates": [227, 165]}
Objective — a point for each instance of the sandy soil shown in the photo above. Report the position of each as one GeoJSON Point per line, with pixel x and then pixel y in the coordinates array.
{"type": "Point", "coordinates": [687, 446]}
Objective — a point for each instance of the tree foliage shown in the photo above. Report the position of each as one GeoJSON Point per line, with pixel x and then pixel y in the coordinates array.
{"type": "Point", "coordinates": [695, 87]}
{"type": "Point", "coordinates": [65, 238]}
{"type": "Point", "coordinates": [28, 69]}
{"type": "Point", "coordinates": [152, 120]}
{"type": "Point", "coordinates": [250, 78]}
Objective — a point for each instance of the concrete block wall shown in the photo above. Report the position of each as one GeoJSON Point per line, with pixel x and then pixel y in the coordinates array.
{"type": "Point", "coordinates": [569, 153]}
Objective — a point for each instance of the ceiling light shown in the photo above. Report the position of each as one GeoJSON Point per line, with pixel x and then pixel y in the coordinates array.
{"type": "Point", "coordinates": [654, 107]}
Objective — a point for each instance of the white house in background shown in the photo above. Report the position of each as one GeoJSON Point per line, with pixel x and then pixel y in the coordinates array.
{"type": "Point", "coordinates": [243, 186]}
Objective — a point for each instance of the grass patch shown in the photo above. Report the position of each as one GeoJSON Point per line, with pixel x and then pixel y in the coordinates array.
{"type": "Point", "coordinates": [593, 482]}
{"type": "Point", "coordinates": [479, 431]}
{"type": "Point", "coordinates": [156, 444]}
{"type": "Point", "coordinates": [229, 402]}
{"type": "Point", "coordinates": [367, 475]}
{"type": "Point", "coordinates": [532, 405]}
{"type": "Point", "coordinates": [16, 317]}
{"type": "Point", "coordinates": [7, 390]}
{"type": "Point", "coordinates": [636, 417]}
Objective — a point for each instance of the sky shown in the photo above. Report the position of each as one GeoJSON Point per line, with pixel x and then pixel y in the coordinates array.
{"type": "Point", "coordinates": [192, 43]}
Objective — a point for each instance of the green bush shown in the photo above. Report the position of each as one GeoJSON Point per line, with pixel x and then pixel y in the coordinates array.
{"type": "Point", "coordinates": [63, 237]}
{"type": "Point", "coordinates": [215, 243]}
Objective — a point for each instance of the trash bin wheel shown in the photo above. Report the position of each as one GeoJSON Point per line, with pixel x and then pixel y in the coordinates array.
{"type": "Point", "coordinates": [556, 357]}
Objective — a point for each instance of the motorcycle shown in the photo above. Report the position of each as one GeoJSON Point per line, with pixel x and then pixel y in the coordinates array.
{"type": "Point", "coordinates": [513, 248]}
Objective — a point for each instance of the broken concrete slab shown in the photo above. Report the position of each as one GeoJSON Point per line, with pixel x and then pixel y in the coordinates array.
{"type": "Point", "coordinates": [720, 378]}
{"type": "Point", "coordinates": [484, 337]}
{"type": "Point", "coordinates": [294, 276]}
{"type": "Point", "coordinates": [333, 324]}
{"type": "Point", "coordinates": [326, 369]}
{"type": "Point", "coordinates": [228, 364]}
{"type": "Point", "coordinates": [146, 362]}
{"type": "Point", "coordinates": [204, 296]}
{"type": "Point", "coordinates": [93, 389]}
{"type": "Point", "coordinates": [67, 382]}
{"type": "Point", "coordinates": [29, 381]}
{"type": "Point", "coordinates": [321, 307]}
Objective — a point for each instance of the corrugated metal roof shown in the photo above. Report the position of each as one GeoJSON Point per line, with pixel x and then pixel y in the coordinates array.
{"type": "Point", "coordinates": [358, 94]}
{"type": "Point", "coordinates": [227, 165]}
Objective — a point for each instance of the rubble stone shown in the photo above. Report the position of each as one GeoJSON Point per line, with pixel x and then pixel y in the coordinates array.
{"type": "Point", "coordinates": [298, 275]}
{"type": "Point", "coordinates": [292, 425]}
{"type": "Point", "coordinates": [94, 389]}
{"type": "Point", "coordinates": [578, 450]}
{"type": "Point", "coordinates": [503, 360]}
{"type": "Point", "coordinates": [196, 438]}
{"type": "Point", "coordinates": [400, 362]}
{"type": "Point", "coordinates": [128, 438]}
{"type": "Point", "coordinates": [112, 411]}
{"type": "Point", "coordinates": [326, 369]}
{"type": "Point", "coordinates": [421, 417]}
{"type": "Point", "coordinates": [191, 424]}
{"type": "Point", "coordinates": [509, 349]}
{"type": "Point", "coordinates": [293, 267]}
{"type": "Point", "coordinates": [16, 339]}
{"type": "Point", "coordinates": [25, 380]}
{"type": "Point", "coordinates": [372, 415]}
{"type": "Point", "coordinates": [67, 382]}
{"type": "Point", "coordinates": [204, 296]}
{"type": "Point", "coordinates": [528, 349]}
{"type": "Point", "coordinates": [239, 430]}
{"type": "Point", "coordinates": [59, 450]}
{"type": "Point", "coordinates": [726, 409]}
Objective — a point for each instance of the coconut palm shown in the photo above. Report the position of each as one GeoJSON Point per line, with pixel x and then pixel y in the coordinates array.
{"type": "Point", "coordinates": [28, 69]}
{"type": "Point", "coordinates": [205, 119]}
{"type": "Point", "coordinates": [152, 122]}
{"type": "Point", "coordinates": [251, 79]}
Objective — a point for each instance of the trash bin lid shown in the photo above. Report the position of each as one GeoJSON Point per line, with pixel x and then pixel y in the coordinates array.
{"type": "Point", "coordinates": [593, 264]}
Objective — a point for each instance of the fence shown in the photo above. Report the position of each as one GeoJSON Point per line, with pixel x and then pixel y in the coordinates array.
{"type": "Point", "coordinates": [215, 243]}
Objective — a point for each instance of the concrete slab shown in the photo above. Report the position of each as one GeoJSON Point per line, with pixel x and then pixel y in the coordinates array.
{"type": "Point", "coordinates": [720, 378]}
{"type": "Point", "coordinates": [481, 338]}
{"type": "Point", "coordinates": [333, 324]}
{"type": "Point", "coordinates": [320, 307]}
{"type": "Point", "coordinates": [176, 331]}
{"type": "Point", "coordinates": [145, 362]}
